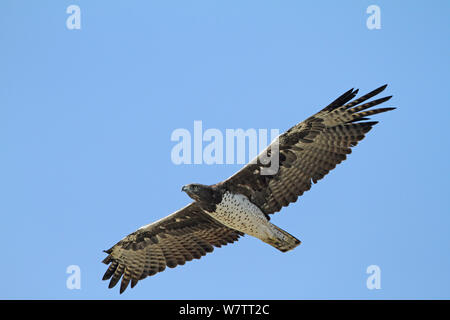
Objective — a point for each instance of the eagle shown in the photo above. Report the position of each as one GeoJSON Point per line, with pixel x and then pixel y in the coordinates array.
{"type": "Point", "coordinates": [242, 204]}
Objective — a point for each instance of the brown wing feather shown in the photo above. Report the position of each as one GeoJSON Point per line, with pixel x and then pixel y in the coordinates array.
{"type": "Point", "coordinates": [308, 151]}
{"type": "Point", "coordinates": [185, 235]}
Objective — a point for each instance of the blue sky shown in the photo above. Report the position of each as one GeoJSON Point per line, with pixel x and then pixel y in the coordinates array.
{"type": "Point", "coordinates": [86, 118]}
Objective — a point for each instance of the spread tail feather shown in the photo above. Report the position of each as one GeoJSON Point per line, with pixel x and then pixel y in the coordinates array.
{"type": "Point", "coordinates": [282, 240]}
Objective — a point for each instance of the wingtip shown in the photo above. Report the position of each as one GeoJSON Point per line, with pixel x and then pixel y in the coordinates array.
{"type": "Point", "coordinates": [105, 276]}
{"type": "Point", "coordinates": [379, 89]}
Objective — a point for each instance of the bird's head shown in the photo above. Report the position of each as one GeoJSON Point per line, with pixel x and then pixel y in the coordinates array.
{"type": "Point", "coordinates": [199, 192]}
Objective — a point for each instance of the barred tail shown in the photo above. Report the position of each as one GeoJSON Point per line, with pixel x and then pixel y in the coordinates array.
{"type": "Point", "coordinates": [282, 240]}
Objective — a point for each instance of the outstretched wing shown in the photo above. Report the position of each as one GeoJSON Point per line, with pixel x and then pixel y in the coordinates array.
{"type": "Point", "coordinates": [182, 236]}
{"type": "Point", "coordinates": [308, 151]}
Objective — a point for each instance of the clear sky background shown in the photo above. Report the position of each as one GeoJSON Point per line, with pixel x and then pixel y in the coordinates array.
{"type": "Point", "coordinates": [86, 118]}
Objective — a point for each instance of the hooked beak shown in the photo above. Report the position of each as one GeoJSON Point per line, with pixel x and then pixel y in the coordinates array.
{"type": "Point", "coordinates": [184, 189]}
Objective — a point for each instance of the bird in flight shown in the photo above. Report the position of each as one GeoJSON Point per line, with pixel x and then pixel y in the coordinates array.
{"type": "Point", "coordinates": [222, 213]}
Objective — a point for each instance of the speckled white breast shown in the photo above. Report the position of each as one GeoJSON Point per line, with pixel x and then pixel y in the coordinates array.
{"type": "Point", "coordinates": [237, 212]}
